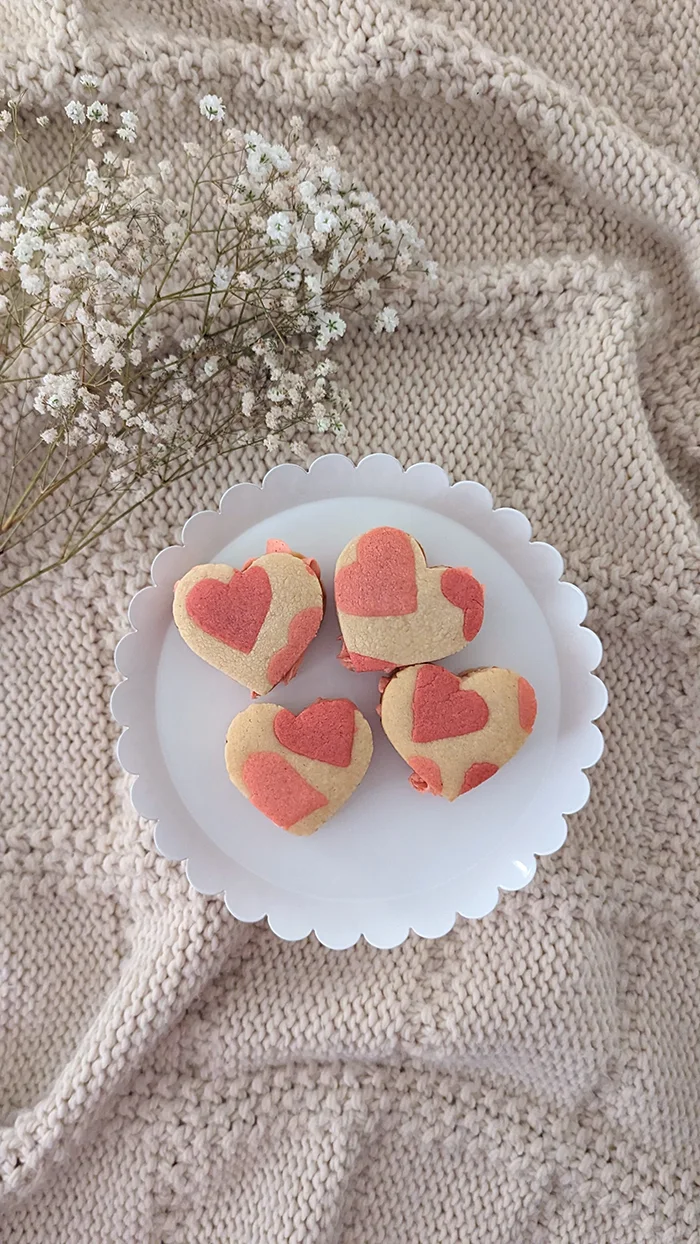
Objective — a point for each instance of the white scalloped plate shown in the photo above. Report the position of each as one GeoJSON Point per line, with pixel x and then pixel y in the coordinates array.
{"type": "Point", "coordinates": [391, 860]}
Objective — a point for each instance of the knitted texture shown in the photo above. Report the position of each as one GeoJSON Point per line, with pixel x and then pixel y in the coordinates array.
{"type": "Point", "coordinates": [169, 1075]}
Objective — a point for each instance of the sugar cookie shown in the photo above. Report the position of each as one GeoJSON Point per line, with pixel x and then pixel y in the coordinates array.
{"type": "Point", "coordinates": [254, 624]}
{"type": "Point", "coordinates": [456, 731]}
{"type": "Point", "coordinates": [298, 770]}
{"type": "Point", "coordinates": [395, 610]}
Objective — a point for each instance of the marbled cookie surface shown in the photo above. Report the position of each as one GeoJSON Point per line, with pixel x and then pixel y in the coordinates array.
{"type": "Point", "coordinates": [298, 770]}
{"type": "Point", "coordinates": [456, 732]}
{"type": "Point", "coordinates": [254, 624]}
{"type": "Point", "coordinates": [395, 610]}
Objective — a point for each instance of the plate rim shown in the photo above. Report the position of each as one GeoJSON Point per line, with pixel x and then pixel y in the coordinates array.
{"type": "Point", "coordinates": [509, 532]}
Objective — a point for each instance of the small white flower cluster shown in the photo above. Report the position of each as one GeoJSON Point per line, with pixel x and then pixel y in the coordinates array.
{"type": "Point", "coordinates": [212, 108]}
{"type": "Point", "coordinates": [109, 254]}
{"type": "Point", "coordinates": [327, 240]}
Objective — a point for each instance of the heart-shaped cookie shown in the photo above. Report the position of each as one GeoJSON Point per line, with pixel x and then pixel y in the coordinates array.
{"type": "Point", "coordinates": [255, 623]}
{"type": "Point", "coordinates": [298, 770]}
{"type": "Point", "coordinates": [395, 610]}
{"type": "Point", "coordinates": [456, 731]}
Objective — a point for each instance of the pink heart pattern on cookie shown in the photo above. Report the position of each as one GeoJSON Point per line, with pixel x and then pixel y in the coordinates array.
{"type": "Point", "coordinates": [395, 610]}
{"type": "Point", "coordinates": [442, 708]}
{"type": "Point", "coordinates": [278, 791]}
{"type": "Point", "coordinates": [232, 612]}
{"type": "Point", "coordinates": [454, 731]}
{"type": "Point", "coordinates": [323, 731]}
{"type": "Point", "coordinates": [381, 583]}
{"type": "Point", "coordinates": [254, 624]}
{"type": "Point", "coordinates": [459, 586]}
{"type": "Point", "coordinates": [298, 770]}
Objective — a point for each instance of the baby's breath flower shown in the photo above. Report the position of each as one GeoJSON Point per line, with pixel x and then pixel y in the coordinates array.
{"type": "Point", "coordinates": [127, 129]}
{"type": "Point", "coordinates": [330, 326]}
{"type": "Point", "coordinates": [43, 121]}
{"type": "Point", "coordinates": [117, 232]}
{"type": "Point", "coordinates": [212, 107]}
{"type": "Point", "coordinates": [59, 295]}
{"type": "Point", "coordinates": [304, 245]}
{"type": "Point", "coordinates": [280, 157]}
{"type": "Point", "coordinates": [56, 391]}
{"type": "Point", "coordinates": [102, 351]}
{"type": "Point", "coordinates": [174, 233]}
{"type": "Point", "coordinates": [88, 80]}
{"type": "Point", "coordinates": [165, 169]}
{"type": "Point", "coordinates": [258, 160]}
{"type": "Point", "coordinates": [97, 111]}
{"type": "Point", "coordinates": [25, 246]}
{"type": "Point", "coordinates": [75, 111]}
{"type": "Point", "coordinates": [5, 118]}
{"type": "Point", "coordinates": [93, 180]}
{"type": "Point", "coordinates": [290, 278]}
{"type": "Point", "coordinates": [325, 221]}
{"type": "Point", "coordinates": [387, 321]}
{"type": "Point", "coordinates": [247, 403]}
{"type": "Point", "coordinates": [307, 191]}
{"type": "Point", "coordinates": [222, 277]}
{"type": "Point", "coordinates": [211, 366]}
{"type": "Point", "coordinates": [20, 192]}
{"type": "Point", "coordinates": [30, 281]}
{"type": "Point", "coordinates": [192, 149]}
{"type": "Point", "coordinates": [279, 227]}
{"type": "Point", "coordinates": [331, 177]}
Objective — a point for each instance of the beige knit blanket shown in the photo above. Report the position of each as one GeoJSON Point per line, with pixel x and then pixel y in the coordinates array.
{"type": "Point", "coordinates": [172, 1077]}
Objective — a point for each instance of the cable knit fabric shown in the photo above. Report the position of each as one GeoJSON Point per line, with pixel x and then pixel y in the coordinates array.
{"type": "Point", "coordinates": [169, 1075]}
